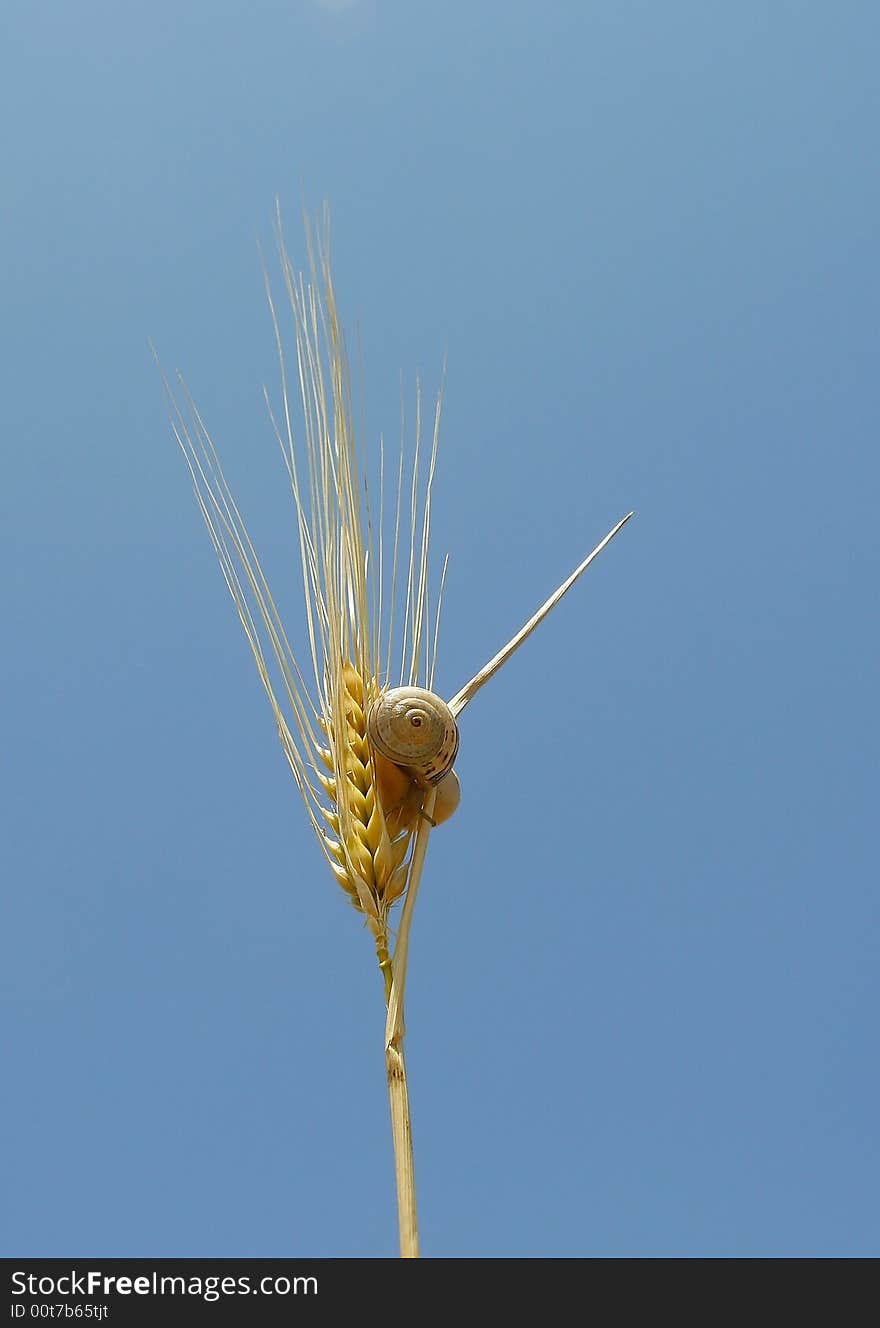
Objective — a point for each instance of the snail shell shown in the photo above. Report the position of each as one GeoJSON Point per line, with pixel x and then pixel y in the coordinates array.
{"type": "Point", "coordinates": [402, 797]}
{"type": "Point", "coordinates": [448, 798]}
{"type": "Point", "coordinates": [416, 730]}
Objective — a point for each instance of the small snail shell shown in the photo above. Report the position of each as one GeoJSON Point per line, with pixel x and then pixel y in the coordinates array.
{"type": "Point", "coordinates": [402, 797]}
{"type": "Point", "coordinates": [416, 730]}
{"type": "Point", "coordinates": [448, 798]}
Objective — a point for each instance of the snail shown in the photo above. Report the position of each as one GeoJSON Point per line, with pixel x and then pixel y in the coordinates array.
{"type": "Point", "coordinates": [414, 739]}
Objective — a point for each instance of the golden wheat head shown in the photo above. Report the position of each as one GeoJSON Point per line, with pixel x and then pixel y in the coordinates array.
{"type": "Point", "coordinates": [370, 813]}
{"type": "Point", "coordinates": [363, 809]}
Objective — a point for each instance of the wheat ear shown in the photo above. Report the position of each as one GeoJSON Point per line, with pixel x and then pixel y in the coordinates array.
{"type": "Point", "coordinates": [365, 593]}
{"type": "Point", "coordinates": [372, 818]}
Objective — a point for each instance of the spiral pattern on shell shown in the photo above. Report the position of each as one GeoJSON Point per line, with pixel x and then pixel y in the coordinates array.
{"type": "Point", "coordinates": [415, 729]}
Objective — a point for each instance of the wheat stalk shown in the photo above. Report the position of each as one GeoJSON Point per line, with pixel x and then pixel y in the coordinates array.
{"type": "Point", "coordinates": [371, 819]}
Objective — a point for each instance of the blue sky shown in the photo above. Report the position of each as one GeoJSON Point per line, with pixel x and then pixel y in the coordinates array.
{"type": "Point", "coordinates": [643, 996]}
